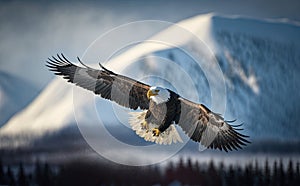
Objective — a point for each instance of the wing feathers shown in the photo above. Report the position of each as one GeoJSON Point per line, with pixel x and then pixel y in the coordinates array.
{"type": "Point", "coordinates": [209, 128]}
{"type": "Point", "coordinates": [109, 85]}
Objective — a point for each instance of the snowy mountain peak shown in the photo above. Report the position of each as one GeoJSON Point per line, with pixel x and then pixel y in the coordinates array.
{"type": "Point", "coordinates": [258, 58]}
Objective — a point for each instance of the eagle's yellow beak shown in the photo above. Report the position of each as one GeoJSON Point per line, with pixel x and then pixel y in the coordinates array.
{"type": "Point", "coordinates": [150, 93]}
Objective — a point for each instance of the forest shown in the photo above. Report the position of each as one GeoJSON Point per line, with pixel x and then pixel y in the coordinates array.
{"type": "Point", "coordinates": [181, 172]}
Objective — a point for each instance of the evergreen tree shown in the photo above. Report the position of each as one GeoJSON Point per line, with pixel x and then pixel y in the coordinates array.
{"type": "Point", "coordinates": [297, 179]}
{"type": "Point", "coordinates": [180, 172]}
{"type": "Point", "coordinates": [10, 177]}
{"type": "Point", "coordinates": [281, 174]}
{"type": "Point", "coordinates": [212, 177]}
{"type": "Point", "coordinates": [189, 164]}
{"type": "Point", "coordinates": [248, 175]}
{"type": "Point", "coordinates": [2, 175]}
{"type": "Point", "coordinates": [222, 173]}
{"type": "Point", "coordinates": [267, 174]}
{"type": "Point", "coordinates": [21, 176]}
{"type": "Point", "coordinates": [230, 176]}
{"type": "Point", "coordinates": [239, 179]}
{"type": "Point", "coordinates": [38, 175]}
{"type": "Point", "coordinates": [290, 171]}
{"type": "Point", "coordinates": [257, 174]}
{"type": "Point", "coordinates": [274, 180]}
{"type": "Point", "coordinates": [169, 173]}
{"type": "Point", "coordinates": [196, 167]}
{"type": "Point", "coordinates": [47, 175]}
{"type": "Point", "coordinates": [190, 174]}
{"type": "Point", "coordinates": [155, 175]}
{"type": "Point", "coordinates": [30, 179]}
{"type": "Point", "coordinates": [198, 174]}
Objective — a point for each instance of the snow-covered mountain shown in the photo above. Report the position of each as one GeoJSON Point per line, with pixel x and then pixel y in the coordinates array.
{"type": "Point", "coordinates": [260, 61]}
{"type": "Point", "coordinates": [257, 81]}
{"type": "Point", "coordinates": [15, 94]}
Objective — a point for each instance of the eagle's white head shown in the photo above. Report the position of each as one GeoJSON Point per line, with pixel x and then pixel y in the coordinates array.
{"type": "Point", "coordinates": [158, 94]}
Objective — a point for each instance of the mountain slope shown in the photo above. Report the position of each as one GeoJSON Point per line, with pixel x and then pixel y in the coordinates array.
{"type": "Point", "coordinates": [15, 94]}
{"type": "Point", "coordinates": [259, 72]}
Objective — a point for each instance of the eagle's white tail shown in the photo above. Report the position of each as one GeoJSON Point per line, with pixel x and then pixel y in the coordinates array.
{"type": "Point", "coordinates": [144, 130]}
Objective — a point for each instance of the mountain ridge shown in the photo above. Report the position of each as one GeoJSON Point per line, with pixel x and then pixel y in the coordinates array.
{"type": "Point", "coordinates": [236, 53]}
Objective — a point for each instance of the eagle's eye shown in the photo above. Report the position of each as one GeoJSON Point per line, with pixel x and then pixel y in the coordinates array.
{"type": "Point", "coordinates": [156, 91]}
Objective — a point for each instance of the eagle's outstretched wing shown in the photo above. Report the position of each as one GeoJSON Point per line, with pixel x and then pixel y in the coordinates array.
{"type": "Point", "coordinates": [125, 91]}
{"type": "Point", "coordinates": [208, 128]}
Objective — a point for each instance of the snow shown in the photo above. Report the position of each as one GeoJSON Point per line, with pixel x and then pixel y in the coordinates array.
{"type": "Point", "coordinates": [187, 30]}
{"type": "Point", "coordinates": [14, 98]}
{"type": "Point", "coordinates": [36, 113]}
{"type": "Point", "coordinates": [255, 86]}
{"type": "Point", "coordinates": [44, 113]}
{"type": "Point", "coordinates": [276, 30]}
{"type": "Point", "coordinates": [250, 80]}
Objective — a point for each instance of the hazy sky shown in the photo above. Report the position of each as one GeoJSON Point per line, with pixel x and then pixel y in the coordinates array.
{"type": "Point", "coordinates": [31, 31]}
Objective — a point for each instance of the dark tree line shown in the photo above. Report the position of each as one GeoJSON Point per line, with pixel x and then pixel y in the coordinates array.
{"type": "Point", "coordinates": [181, 172]}
{"type": "Point", "coordinates": [43, 174]}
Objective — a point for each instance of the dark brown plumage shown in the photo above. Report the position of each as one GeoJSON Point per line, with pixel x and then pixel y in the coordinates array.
{"type": "Point", "coordinates": [120, 89]}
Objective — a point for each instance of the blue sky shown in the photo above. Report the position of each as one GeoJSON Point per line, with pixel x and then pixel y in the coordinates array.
{"type": "Point", "coordinates": [31, 31]}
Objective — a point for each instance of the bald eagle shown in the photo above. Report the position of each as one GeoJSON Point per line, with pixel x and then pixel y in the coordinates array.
{"type": "Point", "coordinates": [160, 108]}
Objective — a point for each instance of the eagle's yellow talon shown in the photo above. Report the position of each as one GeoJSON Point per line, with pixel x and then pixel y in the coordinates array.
{"type": "Point", "coordinates": [155, 132]}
